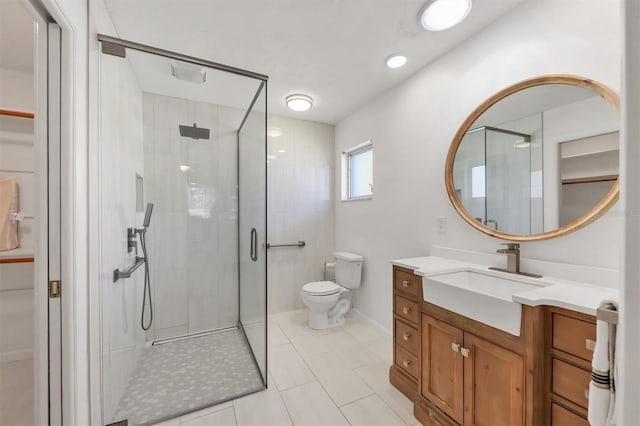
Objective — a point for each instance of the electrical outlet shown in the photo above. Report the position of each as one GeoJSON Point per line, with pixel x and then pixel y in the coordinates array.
{"type": "Point", "coordinates": [442, 224]}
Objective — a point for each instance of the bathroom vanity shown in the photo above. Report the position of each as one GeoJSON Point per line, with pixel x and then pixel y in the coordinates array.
{"type": "Point", "coordinates": [459, 370]}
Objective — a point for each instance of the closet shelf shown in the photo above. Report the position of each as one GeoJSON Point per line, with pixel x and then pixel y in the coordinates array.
{"type": "Point", "coordinates": [12, 113]}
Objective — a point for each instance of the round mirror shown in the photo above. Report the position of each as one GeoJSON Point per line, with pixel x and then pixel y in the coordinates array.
{"type": "Point", "coordinates": [537, 160]}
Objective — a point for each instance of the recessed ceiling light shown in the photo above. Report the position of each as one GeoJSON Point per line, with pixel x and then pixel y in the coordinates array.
{"type": "Point", "coordinates": [439, 15]}
{"type": "Point", "coordinates": [184, 168]}
{"type": "Point", "coordinates": [396, 61]}
{"type": "Point", "coordinates": [299, 102]}
{"type": "Point", "coordinates": [281, 151]}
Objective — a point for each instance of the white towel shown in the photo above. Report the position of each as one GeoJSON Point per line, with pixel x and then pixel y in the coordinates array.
{"type": "Point", "coordinates": [601, 387]}
{"type": "Point", "coordinates": [8, 207]}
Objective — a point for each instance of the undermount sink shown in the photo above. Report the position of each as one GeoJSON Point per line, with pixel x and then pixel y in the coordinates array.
{"type": "Point", "coordinates": [483, 296]}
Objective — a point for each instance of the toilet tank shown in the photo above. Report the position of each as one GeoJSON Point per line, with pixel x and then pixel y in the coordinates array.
{"type": "Point", "coordinates": [348, 269]}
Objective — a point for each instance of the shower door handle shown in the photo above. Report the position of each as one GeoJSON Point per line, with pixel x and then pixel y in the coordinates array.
{"type": "Point", "coordinates": [254, 244]}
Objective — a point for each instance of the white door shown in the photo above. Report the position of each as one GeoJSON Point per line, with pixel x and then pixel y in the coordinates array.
{"type": "Point", "coordinates": [56, 293]}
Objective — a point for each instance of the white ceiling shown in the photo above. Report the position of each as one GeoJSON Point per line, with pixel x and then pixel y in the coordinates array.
{"type": "Point", "coordinates": [333, 50]}
{"type": "Point", "coordinates": [16, 37]}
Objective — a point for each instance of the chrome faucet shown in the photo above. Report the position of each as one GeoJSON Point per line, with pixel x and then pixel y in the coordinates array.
{"type": "Point", "coordinates": [513, 257]}
{"type": "Point", "coordinates": [513, 260]}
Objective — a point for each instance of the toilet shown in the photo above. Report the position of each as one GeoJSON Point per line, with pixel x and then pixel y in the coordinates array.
{"type": "Point", "coordinates": [328, 302]}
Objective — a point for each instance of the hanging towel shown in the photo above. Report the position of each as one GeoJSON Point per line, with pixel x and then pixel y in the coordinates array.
{"type": "Point", "coordinates": [602, 385]}
{"type": "Point", "coordinates": [8, 207]}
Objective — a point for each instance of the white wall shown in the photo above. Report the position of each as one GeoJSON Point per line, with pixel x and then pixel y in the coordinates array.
{"type": "Point", "coordinates": [413, 125]}
{"type": "Point", "coordinates": [300, 206]}
{"type": "Point", "coordinates": [17, 88]}
{"type": "Point", "coordinates": [193, 258]}
{"type": "Point", "coordinates": [121, 159]}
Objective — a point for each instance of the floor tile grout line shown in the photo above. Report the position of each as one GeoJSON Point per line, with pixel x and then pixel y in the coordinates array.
{"type": "Point", "coordinates": [319, 381]}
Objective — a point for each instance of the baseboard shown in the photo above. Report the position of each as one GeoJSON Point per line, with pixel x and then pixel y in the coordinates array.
{"type": "Point", "coordinates": [362, 317]}
{"type": "Point", "coordinates": [19, 355]}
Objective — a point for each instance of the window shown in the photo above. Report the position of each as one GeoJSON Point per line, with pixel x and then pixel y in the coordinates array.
{"type": "Point", "coordinates": [357, 172]}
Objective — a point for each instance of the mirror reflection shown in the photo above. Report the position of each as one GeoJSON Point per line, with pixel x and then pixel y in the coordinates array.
{"type": "Point", "coordinates": [538, 159]}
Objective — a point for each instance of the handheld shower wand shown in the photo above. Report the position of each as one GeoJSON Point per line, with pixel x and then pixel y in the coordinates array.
{"type": "Point", "coordinates": [147, 280]}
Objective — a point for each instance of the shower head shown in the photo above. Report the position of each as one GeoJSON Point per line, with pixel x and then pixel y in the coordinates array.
{"type": "Point", "coordinates": [194, 132]}
{"type": "Point", "coordinates": [147, 215]}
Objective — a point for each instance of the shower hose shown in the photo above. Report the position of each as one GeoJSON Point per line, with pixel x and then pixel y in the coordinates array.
{"type": "Point", "coordinates": [147, 284]}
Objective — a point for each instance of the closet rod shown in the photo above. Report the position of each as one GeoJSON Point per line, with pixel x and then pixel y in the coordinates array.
{"type": "Point", "coordinates": [13, 113]}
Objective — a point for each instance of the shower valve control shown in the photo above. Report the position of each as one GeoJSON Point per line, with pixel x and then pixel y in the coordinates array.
{"type": "Point", "coordinates": [132, 241]}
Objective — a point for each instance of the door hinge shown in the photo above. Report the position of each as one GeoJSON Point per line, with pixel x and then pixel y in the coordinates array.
{"type": "Point", "coordinates": [54, 289]}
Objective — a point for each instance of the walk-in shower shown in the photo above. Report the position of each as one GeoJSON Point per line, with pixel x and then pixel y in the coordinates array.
{"type": "Point", "coordinates": [188, 136]}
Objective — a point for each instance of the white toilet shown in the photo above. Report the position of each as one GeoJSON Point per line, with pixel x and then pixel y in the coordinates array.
{"type": "Point", "coordinates": [328, 302]}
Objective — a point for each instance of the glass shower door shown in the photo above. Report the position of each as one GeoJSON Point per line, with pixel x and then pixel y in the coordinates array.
{"type": "Point", "coordinates": [252, 208]}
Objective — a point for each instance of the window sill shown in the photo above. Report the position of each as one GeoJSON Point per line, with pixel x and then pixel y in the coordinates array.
{"type": "Point", "coordinates": [347, 200]}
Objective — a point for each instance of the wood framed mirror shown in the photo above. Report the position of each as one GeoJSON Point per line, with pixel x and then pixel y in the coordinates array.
{"type": "Point", "coordinates": [537, 160]}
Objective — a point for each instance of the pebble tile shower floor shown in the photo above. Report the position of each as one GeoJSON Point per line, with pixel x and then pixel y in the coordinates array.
{"type": "Point", "coordinates": [181, 376]}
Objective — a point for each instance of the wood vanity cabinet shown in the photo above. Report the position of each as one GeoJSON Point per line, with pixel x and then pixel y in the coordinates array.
{"type": "Point", "coordinates": [470, 379]}
{"type": "Point", "coordinates": [407, 296]}
{"type": "Point", "coordinates": [569, 349]}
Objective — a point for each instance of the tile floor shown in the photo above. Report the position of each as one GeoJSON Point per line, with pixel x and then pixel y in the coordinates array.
{"type": "Point", "coordinates": [332, 377]}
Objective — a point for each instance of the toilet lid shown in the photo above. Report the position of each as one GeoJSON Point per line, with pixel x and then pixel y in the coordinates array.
{"type": "Point", "coordinates": [321, 288]}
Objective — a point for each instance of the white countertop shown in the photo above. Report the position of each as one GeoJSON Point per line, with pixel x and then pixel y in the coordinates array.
{"type": "Point", "coordinates": [552, 291]}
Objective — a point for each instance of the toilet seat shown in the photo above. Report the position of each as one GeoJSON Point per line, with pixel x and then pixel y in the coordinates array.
{"type": "Point", "coordinates": [321, 288]}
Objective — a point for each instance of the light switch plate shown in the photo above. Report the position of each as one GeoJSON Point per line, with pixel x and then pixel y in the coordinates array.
{"type": "Point", "coordinates": [442, 224]}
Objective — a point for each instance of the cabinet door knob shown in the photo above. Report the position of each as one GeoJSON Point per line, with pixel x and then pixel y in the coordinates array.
{"type": "Point", "coordinates": [465, 352]}
{"type": "Point", "coordinates": [405, 283]}
{"type": "Point", "coordinates": [406, 310]}
{"type": "Point", "coordinates": [406, 336]}
{"type": "Point", "coordinates": [455, 347]}
{"type": "Point", "coordinates": [590, 344]}
{"type": "Point", "coordinates": [406, 363]}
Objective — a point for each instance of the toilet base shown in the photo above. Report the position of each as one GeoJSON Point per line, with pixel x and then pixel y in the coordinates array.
{"type": "Point", "coordinates": [321, 321]}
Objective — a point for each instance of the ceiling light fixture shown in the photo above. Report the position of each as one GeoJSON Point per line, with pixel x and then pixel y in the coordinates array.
{"type": "Point", "coordinates": [299, 102]}
{"type": "Point", "coordinates": [396, 61]}
{"type": "Point", "coordinates": [189, 72]}
{"type": "Point", "coordinates": [439, 15]}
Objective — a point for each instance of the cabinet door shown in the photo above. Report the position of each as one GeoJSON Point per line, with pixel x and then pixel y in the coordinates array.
{"type": "Point", "coordinates": [494, 384]}
{"type": "Point", "coordinates": [441, 380]}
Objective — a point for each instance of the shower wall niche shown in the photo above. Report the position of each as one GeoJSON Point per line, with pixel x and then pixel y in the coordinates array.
{"type": "Point", "coordinates": [194, 185]}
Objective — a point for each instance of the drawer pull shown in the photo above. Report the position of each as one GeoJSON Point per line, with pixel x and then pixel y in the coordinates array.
{"type": "Point", "coordinates": [586, 393]}
{"type": "Point", "coordinates": [405, 283]}
{"type": "Point", "coordinates": [406, 310]}
{"type": "Point", "coordinates": [465, 352]}
{"type": "Point", "coordinates": [455, 347]}
{"type": "Point", "coordinates": [590, 344]}
{"type": "Point", "coordinates": [406, 336]}
{"type": "Point", "coordinates": [406, 363]}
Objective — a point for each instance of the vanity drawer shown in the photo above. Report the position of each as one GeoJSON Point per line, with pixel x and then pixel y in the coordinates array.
{"type": "Point", "coordinates": [560, 416]}
{"type": "Point", "coordinates": [406, 282]}
{"type": "Point", "coordinates": [574, 336]}
{"type": "Point", "coordinates": [407, 337]}
{"type": "Point", "coordinates": [406, 309]}
{"type": "Point", "coordinates": [571, 382]}
{"type": "Point", "coordinates": [407, 362]}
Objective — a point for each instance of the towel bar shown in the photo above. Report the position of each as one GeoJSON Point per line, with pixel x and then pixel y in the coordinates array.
{"type": "Point", "coordinates": [607, 315]}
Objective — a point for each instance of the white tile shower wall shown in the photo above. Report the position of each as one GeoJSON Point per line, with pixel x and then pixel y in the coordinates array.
{"type": "Point", "coordinates": [413, 125]}
{"type": "Point", "coordinates": [121, 154]}
{"type": "Point", "coordinates": [193, 247]}
{"type": "Point", "coordinates": [300, 206]}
